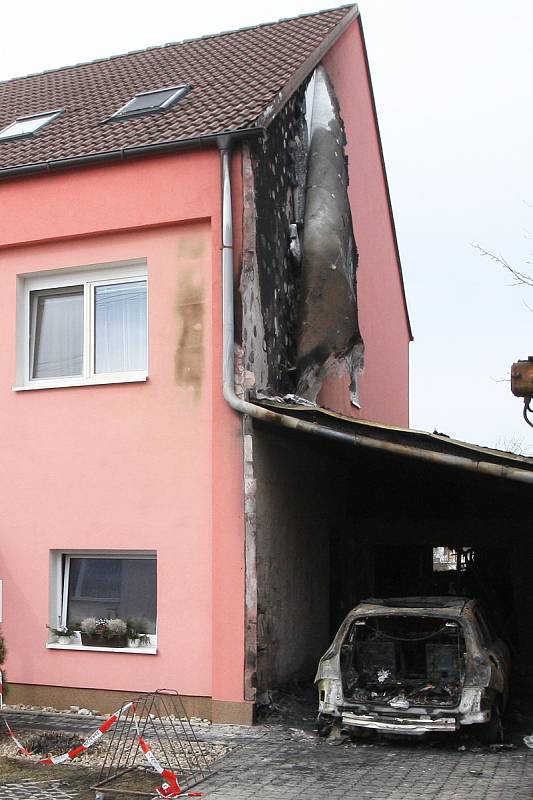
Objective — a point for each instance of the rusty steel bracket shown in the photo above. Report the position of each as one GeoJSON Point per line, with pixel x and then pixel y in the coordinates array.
{"type": "Point", "coordinates": [522, 378]}
{"type": "Point", "coordinates": [522, 384]}
{"type": "Point", "coordinates": [528, 409]}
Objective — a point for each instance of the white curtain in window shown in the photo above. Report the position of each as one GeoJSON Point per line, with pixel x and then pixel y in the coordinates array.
{"type": "Point", "coordinates": [120, 327]}
{"type": "Point", "coordinates": [57, 333]}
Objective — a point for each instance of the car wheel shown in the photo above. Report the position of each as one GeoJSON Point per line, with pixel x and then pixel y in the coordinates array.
{"type": "Point", "coordinates": [492, 732]}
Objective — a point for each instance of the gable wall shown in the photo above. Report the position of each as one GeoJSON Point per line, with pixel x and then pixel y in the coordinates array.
{"type": "Point", "coordinates": [384, 384]}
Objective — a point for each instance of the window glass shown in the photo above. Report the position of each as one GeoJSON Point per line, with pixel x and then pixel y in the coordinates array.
{"type": "Point", "coordinates": [26, 126]}
{"type": "Point", "coordinates": [112, 587]}
{"type": "Point", "coordinates": [148, 101]}
{"type": "Point", "coordinates": [93, 330]}
{"type": "Point", "coordinates": [120, 327]}
{"type": "Point", "coordinates": [56, 336]}
{"type": "Point", "coordinates": [145, 102]}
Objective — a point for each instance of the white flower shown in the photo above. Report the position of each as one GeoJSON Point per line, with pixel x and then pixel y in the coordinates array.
{"type": "Point", "coordinates": [88, 625]}
{"type": "Point", "coordinates": [117, 627]}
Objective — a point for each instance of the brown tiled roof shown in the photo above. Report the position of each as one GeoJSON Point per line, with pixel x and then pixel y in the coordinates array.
{"type": "Point", "coordinates": [235, 77]}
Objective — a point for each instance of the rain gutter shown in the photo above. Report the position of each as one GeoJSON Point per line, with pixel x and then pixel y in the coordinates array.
{"type": "Point", "coordinates": [123, 154]}
{"type": "Point", "coordinates": [283, 420]}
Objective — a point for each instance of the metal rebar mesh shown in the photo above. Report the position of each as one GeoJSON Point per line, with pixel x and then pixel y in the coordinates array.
{"type": "Point", "coordinates": [163, 723]}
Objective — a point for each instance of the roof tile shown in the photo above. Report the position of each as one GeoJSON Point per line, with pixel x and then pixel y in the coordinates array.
{"type": "Point", "coordinates": [234, 77]}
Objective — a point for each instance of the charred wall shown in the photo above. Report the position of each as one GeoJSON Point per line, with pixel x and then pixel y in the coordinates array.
{"type": "Point", "coordinates": [274, 176]}
{"type": "Point", "coordinates": [297, 508]}
{"type": "Point", "coordinates": [328, 331]}
{"type": "Point", "coordinates": [298, 278]}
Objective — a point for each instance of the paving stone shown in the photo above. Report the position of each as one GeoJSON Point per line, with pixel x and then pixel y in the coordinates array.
{"type": "Point", "coordinates": [37, 790]}
{"type": "Point", "coordinates": [268, 764]}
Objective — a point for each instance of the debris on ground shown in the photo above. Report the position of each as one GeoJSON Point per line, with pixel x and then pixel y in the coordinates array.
{"type": "Point", "coordinates": [299, 735]}
{"type": "Point", "coordinates": [496, 748]}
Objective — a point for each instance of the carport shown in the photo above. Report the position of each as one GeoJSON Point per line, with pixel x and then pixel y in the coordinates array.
{"type": "Point", "coordinates": [331, 522]}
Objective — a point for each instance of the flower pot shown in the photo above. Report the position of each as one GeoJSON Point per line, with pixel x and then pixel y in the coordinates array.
{"type": "Point", "coordinates": [134, 642]}
{"type": "Point", "coordinates": [64, 639]}
{"type": "Point", "coordinates": [99, 640]}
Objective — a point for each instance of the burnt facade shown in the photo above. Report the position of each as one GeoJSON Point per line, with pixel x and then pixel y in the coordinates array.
{"type": "Point", "coordinates": [298, 278]}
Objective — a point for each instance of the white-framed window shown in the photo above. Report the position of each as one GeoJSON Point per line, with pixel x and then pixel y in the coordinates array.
{"type": "Point", "coordinates": [27, 126]}
{"type": "Point", "coordinates": [104, 584]}
{"type": "Point", "coordinates": [83, 326]}
{"type": "Point", "coordinates": [156, 100]}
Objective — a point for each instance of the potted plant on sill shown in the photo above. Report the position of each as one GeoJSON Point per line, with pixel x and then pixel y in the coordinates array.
{"type": "Point", "coordinates": [65, 633]}
{"type": "Point", "coordinates": [103, 632]}
{"type": "Point", "coordinates": [137, 633]}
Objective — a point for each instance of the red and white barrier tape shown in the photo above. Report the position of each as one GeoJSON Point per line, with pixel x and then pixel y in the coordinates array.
{"type": "Point", "coordinates": [76, 751]}
{"type": "Point", "coordinates": [170, 787]}
{"type": "Point", "coordinates": [20, 747]}
{"type": "Point", "coordinates": [92, 739]}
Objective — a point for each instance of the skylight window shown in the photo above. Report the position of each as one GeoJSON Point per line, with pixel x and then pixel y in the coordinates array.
{"type": "Point", "coordinates": [27, 126]}
{"type": "Point", "coordinates": [149, 102]}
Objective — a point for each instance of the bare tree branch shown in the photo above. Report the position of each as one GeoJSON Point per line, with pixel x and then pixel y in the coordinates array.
{"type": "Point", "coordinates": [522, 278]}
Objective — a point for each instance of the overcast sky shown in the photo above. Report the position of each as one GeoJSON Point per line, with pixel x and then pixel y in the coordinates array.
{"type": "Point", "coordinates": [453, 91]}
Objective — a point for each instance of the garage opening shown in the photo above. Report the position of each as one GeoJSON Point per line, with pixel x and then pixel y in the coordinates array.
{"type": "Point", "coordinates": [336, 525]}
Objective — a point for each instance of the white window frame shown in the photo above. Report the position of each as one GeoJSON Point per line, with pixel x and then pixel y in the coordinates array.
{"type": "Point", "coordinates": [89, 277]}
{"type": "Point", "coordinates": [12, 131]}
{"type": "Point", "coordinates": [58, 605]}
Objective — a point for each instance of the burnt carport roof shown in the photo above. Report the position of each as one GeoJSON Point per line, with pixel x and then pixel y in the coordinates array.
{"type": "Point", "coordinates": [238, 80]}
{"type": "Point", "coordinates": [440, 601]}
{"type": "Point", "coordinates": [408, 442]}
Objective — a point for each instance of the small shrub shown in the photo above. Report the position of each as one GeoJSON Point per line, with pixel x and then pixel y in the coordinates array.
{"type": "Point", "coordinates": [116, 627]}
{"type": "Point", "coordinates": [3, 656]}
{"type": "Point", "coordinates": [89, 625]}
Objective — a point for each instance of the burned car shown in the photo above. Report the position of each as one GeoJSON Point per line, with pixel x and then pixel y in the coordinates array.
{"type": "Point", "coordinates": [412, 666]}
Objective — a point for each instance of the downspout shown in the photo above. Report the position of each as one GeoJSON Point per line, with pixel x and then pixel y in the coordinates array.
{"type": "Point", "coordinates": [285, 421]}
{"type": "Point", "coordinates": [228, 331]}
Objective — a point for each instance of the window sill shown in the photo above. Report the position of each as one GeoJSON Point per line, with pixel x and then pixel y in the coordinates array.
{"type": "Point", "coordinates": [135, 377]}
{"type": "Point", "coordinates": [139, 651]}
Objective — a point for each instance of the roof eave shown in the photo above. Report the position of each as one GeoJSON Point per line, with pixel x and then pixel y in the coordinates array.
{"type": "Point", "coordinates": [305, 69]}
{"type": "Point", "coordinates": [127, 153]}
{"type": "Point", "coordinates": [409, 440]}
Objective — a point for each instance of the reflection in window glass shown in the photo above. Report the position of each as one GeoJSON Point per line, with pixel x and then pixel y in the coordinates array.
{"type": "Point", "coordinates": [148, 101]}
{"type": "Point", "coordinates": [112, 587]}
{"type": "Point", "coordinates": [157, 100]}
{"type": "Point", "coordinates": [120, 327]}
{"type": "Point", "coordinates": [56, 334]}
{"type": "Point", "coordinates": [27, 125]}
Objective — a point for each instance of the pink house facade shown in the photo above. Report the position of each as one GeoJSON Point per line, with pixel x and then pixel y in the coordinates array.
{"type": "Point", "coordinates": [126, 482]}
